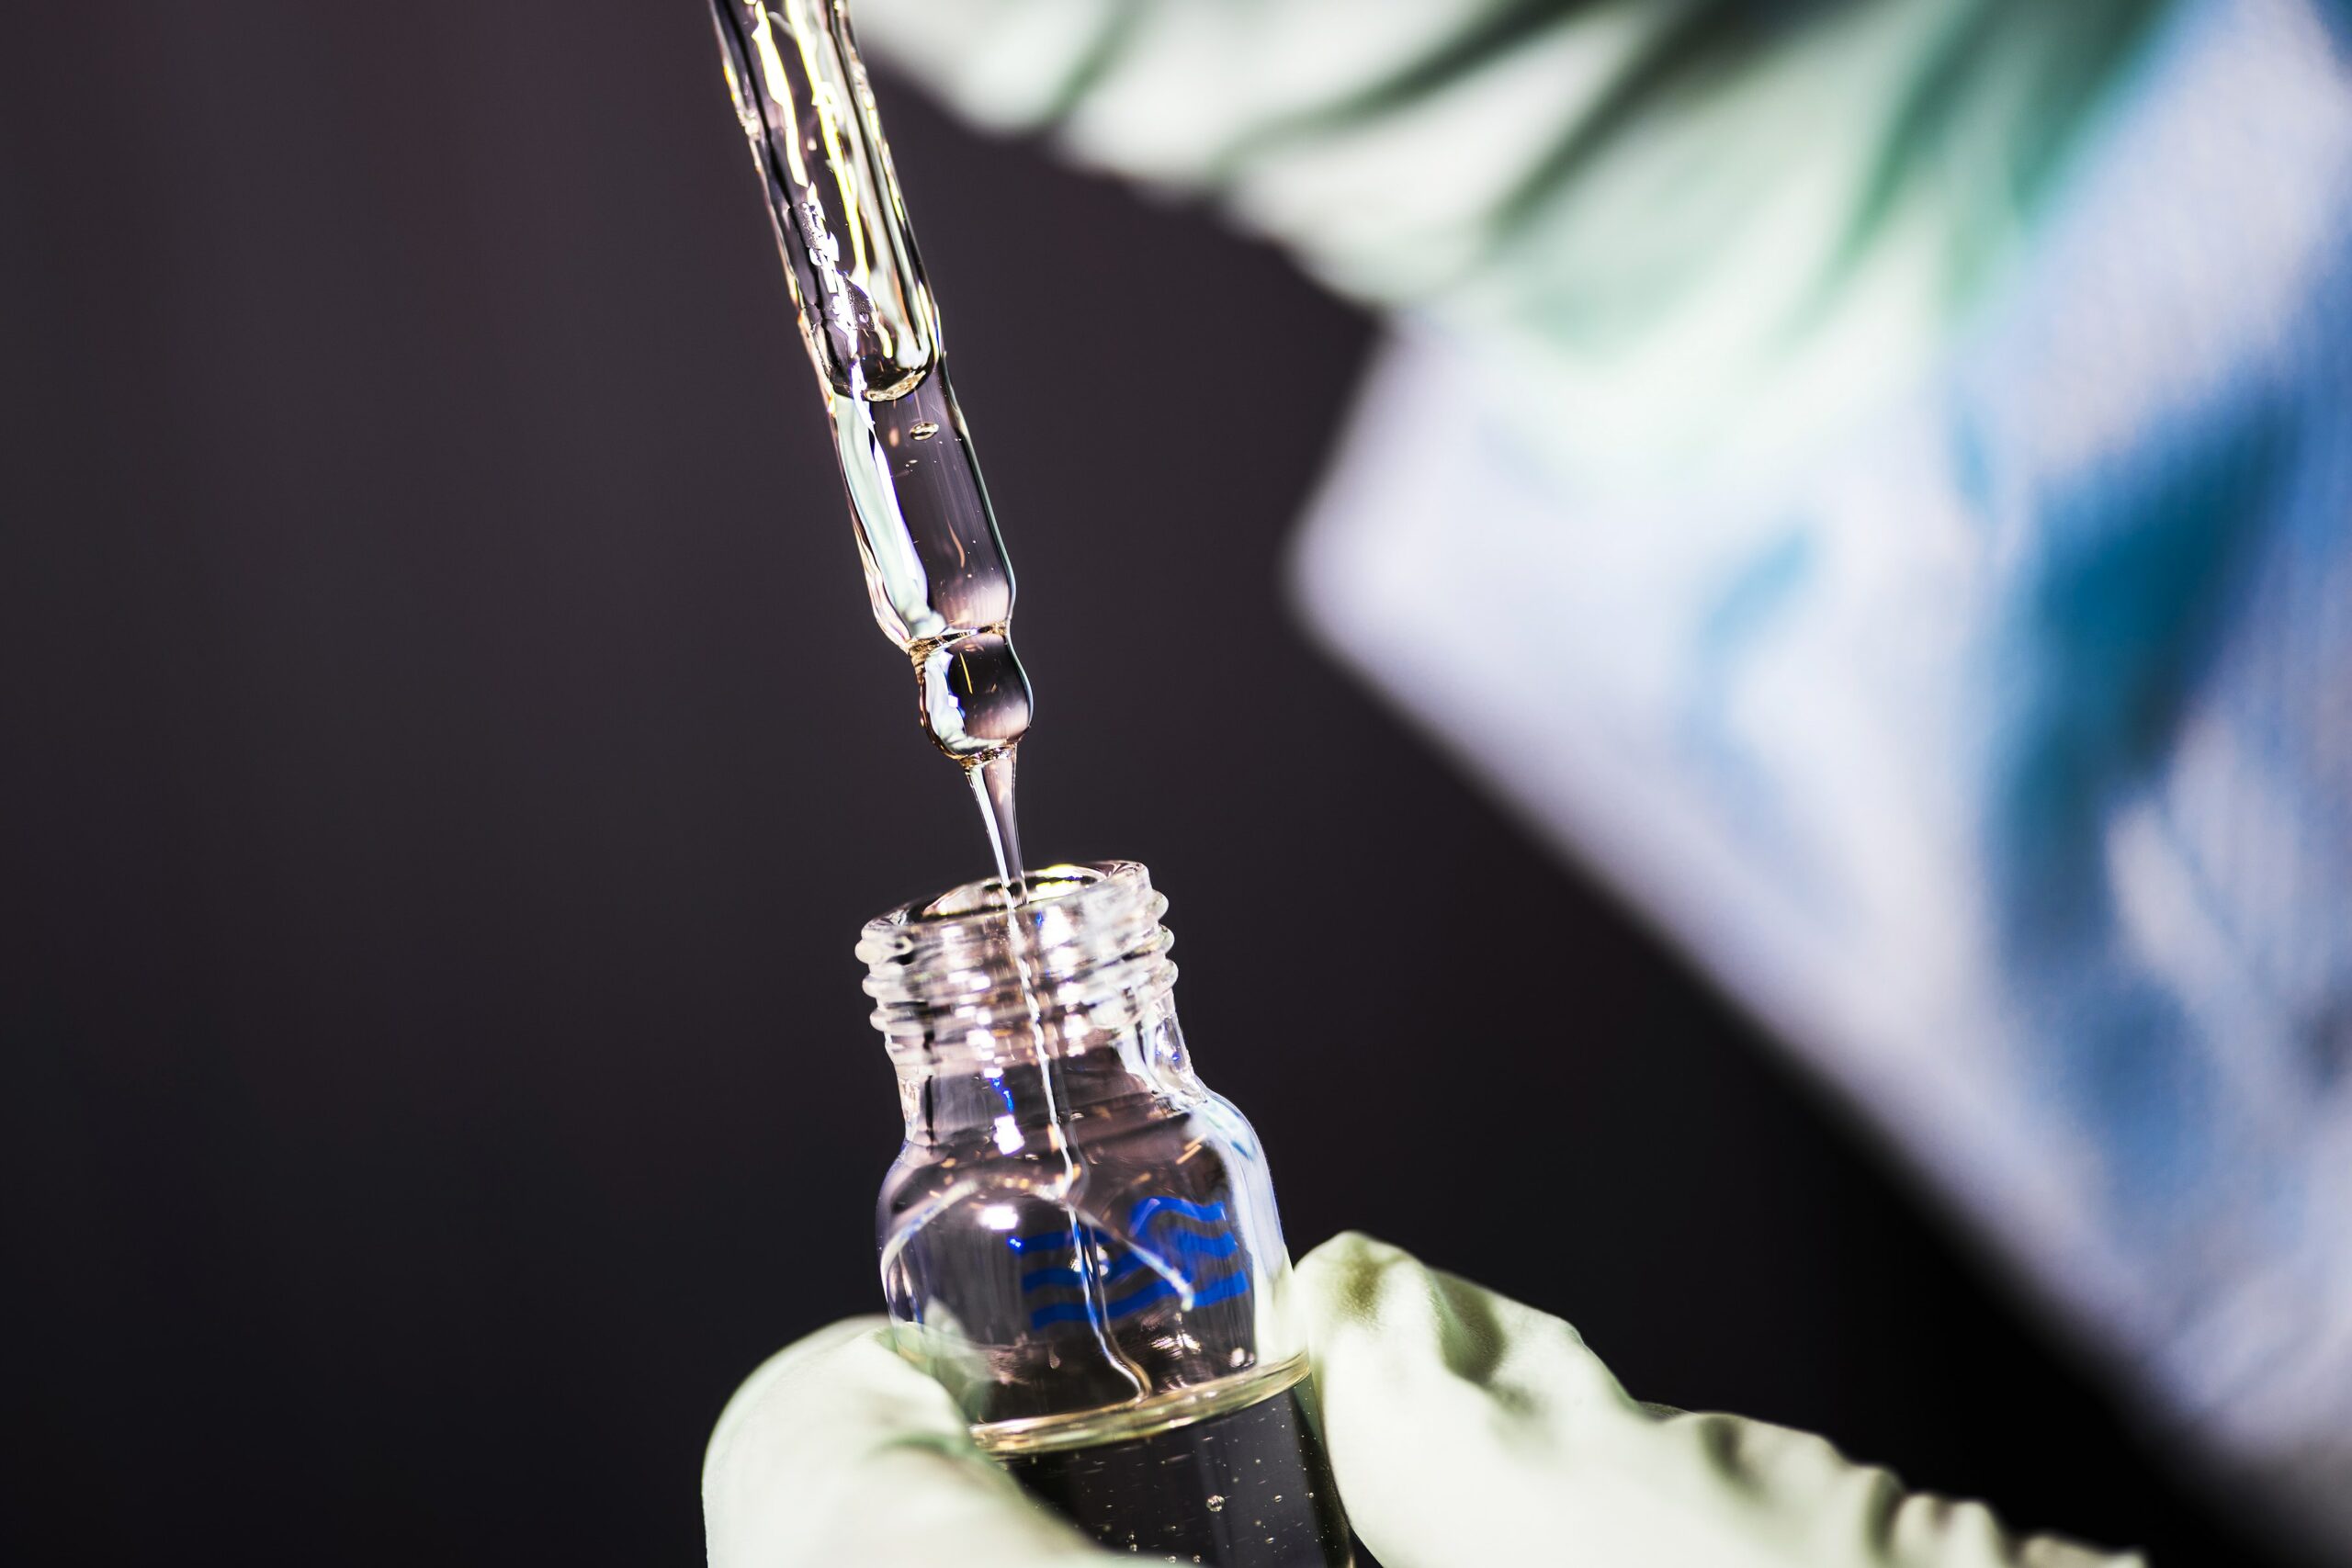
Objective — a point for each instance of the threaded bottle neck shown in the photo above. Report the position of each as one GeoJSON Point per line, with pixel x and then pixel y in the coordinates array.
{"type": "Point", "coordinates": [963, 977]}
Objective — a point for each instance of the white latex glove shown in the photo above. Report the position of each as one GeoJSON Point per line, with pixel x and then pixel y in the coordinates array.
{"type": "Point", "coordinates": [1669, 229]}
{"type": "Point", "coordinates": [1867, 478]}
{"type": "Point", "coordinates": [1466, 1430]}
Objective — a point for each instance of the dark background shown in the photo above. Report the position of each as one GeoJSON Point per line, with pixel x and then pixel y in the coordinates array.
{"type": "Point", "coordinates": [445, 757]}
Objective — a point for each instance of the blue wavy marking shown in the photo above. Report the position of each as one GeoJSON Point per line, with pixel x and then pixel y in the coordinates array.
{"type": "Point", "coordinates": [1111, 1260]}
{"type": "Point", "coordinates": [1161, 1288]}
{"type": "Point", "coordinates": [1181, 1245]}
{"type": "Point", "coordinates": [1234, 1285]}
{"type": "Point", "coordinates": [1060, 1312]}
{"type": "Point", "coordinates": [1148, 1209]}
{"type": "Point", "coordinates": [1157, 1288]}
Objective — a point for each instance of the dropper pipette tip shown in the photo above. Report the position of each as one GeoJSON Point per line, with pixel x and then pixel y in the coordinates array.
{"type": "Point", "coordinates": [992, 784]}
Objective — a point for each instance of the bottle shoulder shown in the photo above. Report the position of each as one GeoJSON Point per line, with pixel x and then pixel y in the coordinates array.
{"type": "Point", "coordinates": [1095, 1165]}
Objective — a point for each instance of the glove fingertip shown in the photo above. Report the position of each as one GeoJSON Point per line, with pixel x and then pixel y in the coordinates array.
{"type": "Point", "coordinates": [1343, 1276]}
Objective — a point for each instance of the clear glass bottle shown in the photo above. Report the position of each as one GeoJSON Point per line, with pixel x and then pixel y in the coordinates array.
{"type": "Point", "coordinates": [1078, 1239]}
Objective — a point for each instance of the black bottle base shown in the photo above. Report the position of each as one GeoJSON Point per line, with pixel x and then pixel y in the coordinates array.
{"type": "Point", "coordinates": [1250, 1488]}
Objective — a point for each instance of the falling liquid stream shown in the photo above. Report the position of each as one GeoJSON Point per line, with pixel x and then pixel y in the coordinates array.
{"type": "Point", "coordinates": [992, 784]}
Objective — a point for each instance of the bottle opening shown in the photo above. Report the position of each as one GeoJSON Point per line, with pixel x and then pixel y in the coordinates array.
{"type": "Point", "coordinates": [1083, 947]}
{"type": "Point", "coordinates": [987, 895]}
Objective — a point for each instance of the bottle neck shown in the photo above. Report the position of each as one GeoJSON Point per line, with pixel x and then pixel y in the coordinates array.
{"type": "Point", "coordinates": [1088, 1083]}
{"type": "Point", "coordinates": [1015, 1025]}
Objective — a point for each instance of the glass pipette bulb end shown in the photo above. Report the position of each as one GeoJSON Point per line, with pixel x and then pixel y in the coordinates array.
{"type": "Point", "coordinates": [975, 695]}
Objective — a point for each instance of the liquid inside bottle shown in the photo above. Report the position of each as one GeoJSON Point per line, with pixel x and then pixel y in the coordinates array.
{"type": "Point", "coordinates": [1248, 1486]}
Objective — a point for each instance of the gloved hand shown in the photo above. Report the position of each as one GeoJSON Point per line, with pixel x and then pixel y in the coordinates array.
{"type": "Point", "coordinates": [1869, 476]}
{"type": "Point", "coordinates": [1668, 229]}
{"type": "Point", "coordinates": [1466, 1430]}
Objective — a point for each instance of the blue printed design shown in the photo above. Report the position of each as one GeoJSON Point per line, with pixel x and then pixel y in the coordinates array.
{"type": "Point", "coordinates": [1198, 1267]}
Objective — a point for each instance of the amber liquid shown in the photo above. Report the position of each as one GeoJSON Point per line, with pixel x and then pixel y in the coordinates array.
{"type": "Point", "coordinates": [1247, 1488]}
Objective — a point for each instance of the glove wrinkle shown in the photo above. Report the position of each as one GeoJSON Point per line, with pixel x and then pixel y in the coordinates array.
{"type": "Point", "coordinates": [1465, 1428]}
{"type": "Point", "coordinates": [1472, 1340]}
{"type": "Point", "coordinates": [1707, 230]}
{"type": "Point", "coordinates": [1468, 1429]}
